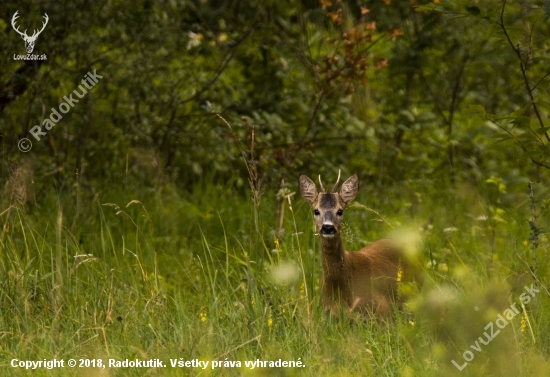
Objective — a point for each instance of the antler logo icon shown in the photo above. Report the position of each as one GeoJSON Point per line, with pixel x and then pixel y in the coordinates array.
{"type": "Point", "coordinates": [29, 41]}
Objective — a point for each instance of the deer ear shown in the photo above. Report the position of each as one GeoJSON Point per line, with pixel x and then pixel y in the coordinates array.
{"type": "Point", "coordinates": [349, 188]}
{"type": "Point", "coordinates": [307, 188]}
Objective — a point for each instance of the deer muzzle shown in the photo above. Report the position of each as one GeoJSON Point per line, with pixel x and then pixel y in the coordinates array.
{"type": "Point", "coordinates": [328, 230]}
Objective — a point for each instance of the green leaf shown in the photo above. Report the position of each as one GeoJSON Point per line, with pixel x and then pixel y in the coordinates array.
{"type": "Point", "coordinates": [407, 114]}
{"type": "Point", "coordinates": [543, 105]}
{"type": "Point", "coordinates": [521, 120]}
{"type": "Point", "coordinates": [501, 137]}
{"type": "Point", "coordinates": [425, 8]}
{"type": "Point", "coordinates": [542, 130]}
{"type": "Point", "coordinates": [477, 110]}
{"type": "Point", "coordinates": [523, 110]}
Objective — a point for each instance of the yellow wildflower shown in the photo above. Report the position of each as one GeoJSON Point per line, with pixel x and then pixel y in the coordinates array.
{"type": "Point", "coordinates": [399, 274]}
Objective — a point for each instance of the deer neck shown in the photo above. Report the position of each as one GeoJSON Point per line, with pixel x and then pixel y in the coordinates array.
{"type": "Point", "coordinates": [335, 278]}
{"type": "Point", "coordinates": [333, 256]}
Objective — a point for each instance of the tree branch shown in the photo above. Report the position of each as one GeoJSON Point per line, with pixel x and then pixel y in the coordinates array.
{"type": "Point", "coordinates": [537, 84]}
{"type": "Point", "coordinates": [522, 67]}
{"type": "Point", "coordinates": [541, 164]}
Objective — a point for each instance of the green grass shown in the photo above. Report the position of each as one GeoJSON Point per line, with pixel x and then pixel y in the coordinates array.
{"type": "Point", "coordinates": [175, 274]}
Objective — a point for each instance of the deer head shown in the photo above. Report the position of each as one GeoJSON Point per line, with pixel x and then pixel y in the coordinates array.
{"type": "Point", "coordinates": [29, 41]}
{"type": "Point", "coordinates": [328, 207]}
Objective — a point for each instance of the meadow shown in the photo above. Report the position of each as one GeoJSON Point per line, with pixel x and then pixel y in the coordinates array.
{"type": "Point", "coordinates": [164, 273]}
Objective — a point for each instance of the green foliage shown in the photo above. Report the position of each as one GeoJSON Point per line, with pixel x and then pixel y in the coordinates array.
{"type": "Point", "coordinates": [524, 39]}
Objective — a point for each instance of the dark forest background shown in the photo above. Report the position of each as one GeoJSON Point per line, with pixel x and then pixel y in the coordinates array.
{"type": "Point", "coordinates": [394, 90]}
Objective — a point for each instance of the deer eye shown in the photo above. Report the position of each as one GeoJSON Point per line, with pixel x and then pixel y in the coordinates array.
{"type": "Point", "coordinates": [316, 212]}
{"type": "Point", "coordinates": [339, 212]}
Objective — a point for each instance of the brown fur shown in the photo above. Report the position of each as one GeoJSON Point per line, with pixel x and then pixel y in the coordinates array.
{"type": "Point", "coordinates": [365, 279]}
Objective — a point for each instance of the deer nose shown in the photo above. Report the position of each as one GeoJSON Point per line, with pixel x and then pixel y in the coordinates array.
{"type": "Point", "coordinates": [328, 230]}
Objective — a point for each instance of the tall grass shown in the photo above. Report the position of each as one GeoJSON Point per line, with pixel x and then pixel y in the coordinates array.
{"type": "Point", "coordinates": [204, 274]}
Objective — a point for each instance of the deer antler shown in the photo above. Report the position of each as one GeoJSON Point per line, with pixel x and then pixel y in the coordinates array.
{"type": "Point", "coordinates": [337, 181]}
{"type": "Point", "coordinates": [15, 16]}
{"type": "Point", "coordinates": [321, 184]}
{"type": "Point", "coordinates": [37, 33]}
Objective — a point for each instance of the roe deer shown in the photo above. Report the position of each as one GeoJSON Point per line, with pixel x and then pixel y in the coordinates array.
{"type": "Point", "coordinates": [363, 280]}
